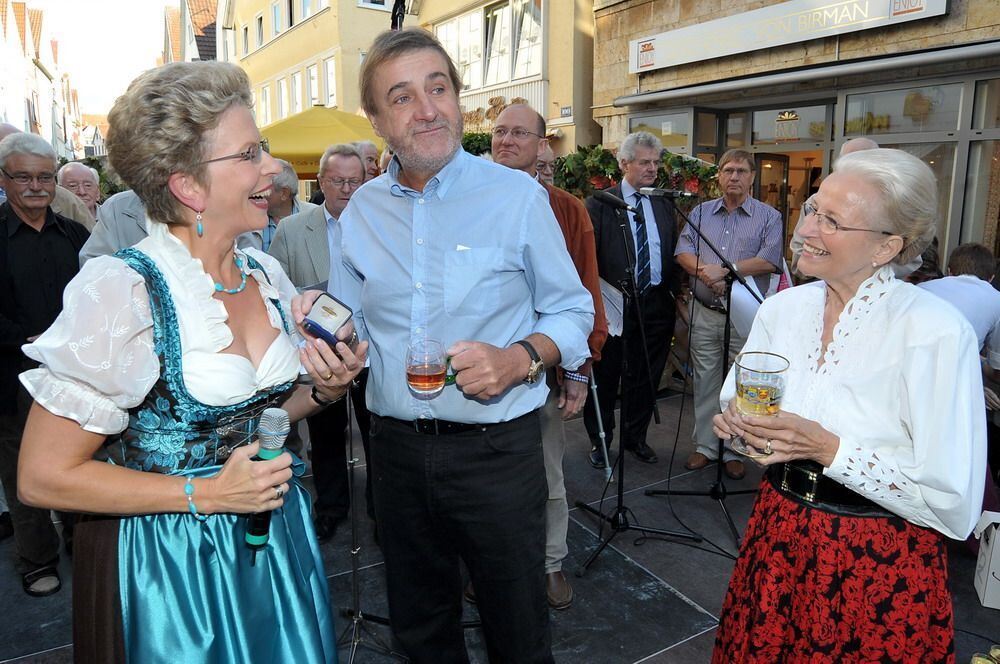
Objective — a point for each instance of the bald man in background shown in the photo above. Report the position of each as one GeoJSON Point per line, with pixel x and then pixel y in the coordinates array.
{"type": "Point", "coordinates": [65, 202]}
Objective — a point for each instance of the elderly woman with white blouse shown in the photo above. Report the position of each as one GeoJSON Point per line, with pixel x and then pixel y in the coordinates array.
{"type": "Point", "coordinates": [879, 450]}
{"type": "Point", "coordinates": [150, 392]}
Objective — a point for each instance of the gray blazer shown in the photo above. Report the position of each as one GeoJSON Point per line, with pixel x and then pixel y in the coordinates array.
{"type": "Point", "coordinates": [300, 245]}
{"type": "Point", "coordinates": [121, 222]}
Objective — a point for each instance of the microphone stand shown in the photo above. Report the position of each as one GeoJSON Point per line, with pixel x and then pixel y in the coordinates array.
{"type": "Point", "coordinates": [618, 519]}
{"type": "Point", "coordinates": [717, 491]}
{"type": "Point", "coordinates": [354, 634]}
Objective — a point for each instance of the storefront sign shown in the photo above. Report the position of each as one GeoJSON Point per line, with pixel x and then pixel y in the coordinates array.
{"type": "Point", "coordinates": [776, 25]}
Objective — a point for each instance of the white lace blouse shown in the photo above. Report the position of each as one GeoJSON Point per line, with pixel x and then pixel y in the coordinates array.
{"type": "Point", "coordinates": [98, 358]}
{"type": "Point", "coordinates": [900, 385]}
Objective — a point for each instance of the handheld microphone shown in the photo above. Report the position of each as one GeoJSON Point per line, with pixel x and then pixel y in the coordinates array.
{"type": "Point", "coordinates": [273, 429]}
{"type": "Point", "coordinates": [613, 201]}
{"type": "Point", "coordinates": [666, 193]}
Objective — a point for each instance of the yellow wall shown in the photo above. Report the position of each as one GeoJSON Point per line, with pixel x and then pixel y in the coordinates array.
{"type": "Point", "coordinates": [309, 42]}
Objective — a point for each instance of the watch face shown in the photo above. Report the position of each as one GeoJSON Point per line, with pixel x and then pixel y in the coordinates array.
{"type": "Point", "coordinates": [535, 371]}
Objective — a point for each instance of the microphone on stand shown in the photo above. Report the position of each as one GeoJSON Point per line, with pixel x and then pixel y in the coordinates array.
{"type": "Point", "coordinates": [613, 201]}
{"type": "Point", "coordinates": [273, 429]}
{"type": "Point", "coordinates": [666, 193]}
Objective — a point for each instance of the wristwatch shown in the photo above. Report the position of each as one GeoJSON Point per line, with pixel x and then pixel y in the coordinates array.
{"type": "Point", "coordinates": [537, 367]}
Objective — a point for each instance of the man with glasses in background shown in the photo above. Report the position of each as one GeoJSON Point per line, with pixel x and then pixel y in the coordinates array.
{"type": "Point", "coordinates": [749, 233]}
{"type": "Point", "coordinates": [38, 257]}
{"type": "Point", "coordinates": [304, 244]}
{"type": "Point", "coordinates": [545, 165]}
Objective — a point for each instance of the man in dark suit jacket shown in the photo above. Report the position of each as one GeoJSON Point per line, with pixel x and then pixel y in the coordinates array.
{"type": "Point", "coordinates": [651, 243]}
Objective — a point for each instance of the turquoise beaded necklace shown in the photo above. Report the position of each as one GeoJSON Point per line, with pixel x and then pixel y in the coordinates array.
{"type": "Point", "coordinates": [219, 288]}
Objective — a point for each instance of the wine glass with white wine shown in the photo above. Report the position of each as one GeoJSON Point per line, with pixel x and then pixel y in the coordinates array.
{"type": "Point", "coordinates": [760, 383]}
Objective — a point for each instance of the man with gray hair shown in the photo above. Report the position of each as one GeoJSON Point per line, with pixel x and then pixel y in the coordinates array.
{"type": "Point", "coordinates": [83, 181]}
{"type": "Point", "coordinates": [64, 202]}
{"type": "Point", "coordinates": [370, 155]}
{"type": "Point", "coordinates": [651, 241]}
{"type": "Point", "coordinates": [38, 257]}
{"type": "Point", "coordinates": [282, 202]}
{"type": "Point", "coordinates": [748, 232]}
{"type": "Point", "coordinates": [305, 244]}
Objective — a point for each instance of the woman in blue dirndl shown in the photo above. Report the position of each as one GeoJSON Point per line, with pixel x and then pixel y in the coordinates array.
{"type": "Point", "coordinates": [149, 396]}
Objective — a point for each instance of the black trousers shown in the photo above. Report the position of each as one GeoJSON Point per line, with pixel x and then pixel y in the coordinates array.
{"type": "Point", "coordinates": [328, 435]}
{"type": "Point", "coordinates": [638, 395]}
{"type": "Point", "coordinates": [35, 536]}
{"type": "Point", "coordinates": [478, 497]}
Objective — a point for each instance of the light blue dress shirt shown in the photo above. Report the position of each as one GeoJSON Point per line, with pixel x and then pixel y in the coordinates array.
{"type": "Point", "coordinates": [477, 256]}
{"type": "Point", "coordinates": [333, 236]}
{"type": "Point", "coordinates": [652, 233]}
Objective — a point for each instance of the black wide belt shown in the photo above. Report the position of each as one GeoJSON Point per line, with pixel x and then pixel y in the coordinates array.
{"type": "Point", "coordinates": [435, 427]}
{"type": "Point", "coordinates": [805, 483]}
{"type": "Point", "coordinates": [431, 427]}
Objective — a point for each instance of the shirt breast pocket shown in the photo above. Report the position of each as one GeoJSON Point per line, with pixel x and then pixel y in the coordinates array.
{"type": "Point", "coordinates": [471, 281]}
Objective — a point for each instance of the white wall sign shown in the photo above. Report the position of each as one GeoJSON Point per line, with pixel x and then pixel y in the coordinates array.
{"type": "Point", "coordinates": [777, 25]}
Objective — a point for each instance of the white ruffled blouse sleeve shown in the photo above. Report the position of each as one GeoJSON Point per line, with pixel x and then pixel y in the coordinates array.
{"type": "Point", "coordinates": [97, 357]}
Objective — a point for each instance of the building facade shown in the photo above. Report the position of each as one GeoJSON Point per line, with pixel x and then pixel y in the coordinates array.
{"type": "Point", "coordinates": [792, 81]}
{"type": "Point", "coordinates": [300, 53]}
{"type": "Point", "coordinates": [35, 95]}
{"type": "Point", "coordinates": [533, 51]}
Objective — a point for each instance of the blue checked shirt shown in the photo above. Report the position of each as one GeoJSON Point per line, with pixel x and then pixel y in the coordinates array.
{"type": "Point", "coordinates": [478, 255]}
{"type": "Point", "coordinates": [752, 229]}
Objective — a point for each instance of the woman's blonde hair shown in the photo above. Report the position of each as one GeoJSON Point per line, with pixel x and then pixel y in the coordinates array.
{"type": "Point", "coordinates": [157, 128]}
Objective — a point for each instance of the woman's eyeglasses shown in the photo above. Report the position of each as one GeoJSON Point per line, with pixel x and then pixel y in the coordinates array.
{"type": "Point", "coordinates": [251, 154]}
{"type": "Point", "coordinates": [830, 226]}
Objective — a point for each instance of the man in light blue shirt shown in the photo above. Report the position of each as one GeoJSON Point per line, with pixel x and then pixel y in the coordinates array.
{"type": "Point", "coordinates": [450, 247]}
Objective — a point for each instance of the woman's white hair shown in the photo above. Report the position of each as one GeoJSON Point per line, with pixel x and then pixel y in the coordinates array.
{"type": "Point", "coordinates": [907, 202]}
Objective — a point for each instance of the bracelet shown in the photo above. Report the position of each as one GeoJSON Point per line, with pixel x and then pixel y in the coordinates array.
{"type": "Point", "coordinates": [189, 492]}
{"type": "Point", "coordinates": [320, 401]}
{"type": "Point", "coordinates": [578, 377]}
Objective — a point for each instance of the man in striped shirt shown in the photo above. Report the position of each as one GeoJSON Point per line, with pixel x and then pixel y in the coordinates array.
{"type": "Point", "coordinates": [749, 234]}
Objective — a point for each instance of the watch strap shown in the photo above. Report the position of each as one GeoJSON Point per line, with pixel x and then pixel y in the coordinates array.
{"type": "Point", "coordinates": [532, 353]}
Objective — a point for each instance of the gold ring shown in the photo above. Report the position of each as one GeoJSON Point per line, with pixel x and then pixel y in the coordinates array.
{"type": "Point", "coordinates": [278, 493]}
{"type": "Point", "coordinates": [328, 377]}
{"type": "Point", "coordinates": [767, 448]}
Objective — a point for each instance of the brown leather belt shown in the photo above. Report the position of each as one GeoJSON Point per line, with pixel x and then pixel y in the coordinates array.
{"type": "Point", "coordinates": [805, 483]}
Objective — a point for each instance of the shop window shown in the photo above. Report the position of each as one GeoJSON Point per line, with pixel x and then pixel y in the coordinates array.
{"type": "Point", "coordinates": [671, 128]}
{"type": "Point", "coordinates": [527, 38]}
{"type": "Point", "coordinates": [462, 38]}
{"type": "Point", "coordinates": [986, 111]}
{"type": "Point", "coordinates": [941, 158]}
{"type": "Point", "coordinates": [928, 108]}
{"type": "Point", "coordinates": [497, 26]}
{"type": "Point", "coordinates": [790, 125]}
{"type": "Point", "coordinates": [982, 192]}
{"type": "Point", "coordinates": [706, 130]}
{"type": "Point", "coordinates": [736, 130]}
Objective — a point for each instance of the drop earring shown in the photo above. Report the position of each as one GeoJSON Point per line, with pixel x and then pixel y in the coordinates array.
{"type": "Point", "coordinates": [199, 228]}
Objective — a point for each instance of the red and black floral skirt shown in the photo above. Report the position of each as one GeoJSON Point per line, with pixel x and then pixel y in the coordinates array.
{"type": "Point", "coordinates": [811, 586]}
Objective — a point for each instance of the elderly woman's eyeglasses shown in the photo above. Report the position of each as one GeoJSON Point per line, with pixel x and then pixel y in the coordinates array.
{"type": "Point", "coordinates": [24, 178]}
{"type": "Point", "coordinates": [829, 226]}
{"type": "Point", "coordinates": [252, 153]}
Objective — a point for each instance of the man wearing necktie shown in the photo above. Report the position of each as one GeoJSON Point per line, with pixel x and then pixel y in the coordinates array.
{"type": "Point", "coordinates": [651, 242]}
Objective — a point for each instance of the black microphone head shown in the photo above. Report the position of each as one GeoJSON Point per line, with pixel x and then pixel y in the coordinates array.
{"type": "Point", "coordinates": [273, 429]}
{"type": "Point", "coordinates": [611, 199]}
